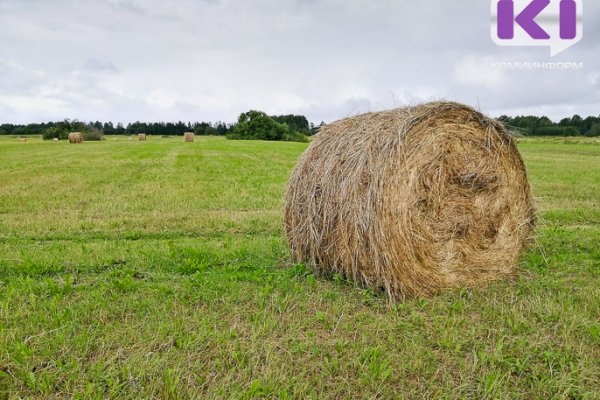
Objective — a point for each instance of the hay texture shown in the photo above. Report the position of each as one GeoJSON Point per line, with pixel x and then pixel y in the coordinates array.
{"type": "Point", "coordinates": [142, 137]}
{"type": "Point", "coordinates": [188, 137]}
{"type": "Point", "coordinates": [75, 137]}
{"type": "Point", "coordinates": [414, 200]}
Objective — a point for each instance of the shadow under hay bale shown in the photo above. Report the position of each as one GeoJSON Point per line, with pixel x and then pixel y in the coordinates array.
{"type": "Point", "coordinates": [414, 200]}
{"type": "Point", "coordinates": [188, 137]}
{"type": "Point", "coordinates": [75, 137]}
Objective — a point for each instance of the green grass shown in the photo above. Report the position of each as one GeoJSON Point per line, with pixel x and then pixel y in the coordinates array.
{"type": "Point", "coordinates": [158, 270]}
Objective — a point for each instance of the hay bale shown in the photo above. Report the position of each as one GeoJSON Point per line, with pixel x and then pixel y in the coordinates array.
{"type": "Point", "coordinates": [188, 137]}
{"type": "Point", "coordinates": [142, 137]}
{"type": "Point", "coordinates": [414, 200]}
{"type": "Point", "coordinates": [75, 137]}
{"type": "Point", "coordinates": [55, 139]}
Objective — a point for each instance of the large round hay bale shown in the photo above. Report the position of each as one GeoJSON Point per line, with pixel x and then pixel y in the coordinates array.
{"type": "Point", "coordinates": [414, 200]}
{"type": "Point", "coordinates": [188, 137]}
{"type": "Point", "coordinates": [75, 137]}
{"type": "Point", "coordinates": [142, 137]}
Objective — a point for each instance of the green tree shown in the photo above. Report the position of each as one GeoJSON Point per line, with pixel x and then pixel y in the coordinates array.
{"type": "Point", "coordinates": [108, 128]}
{"type": "Point", "coordinates": [222, 128]}
{"type": "Point", "coordinates": [544, 122]}
{"type": "Point", "coordinates": [60, 130]}
{"type": "Point", "coordinates": [315, 129]}
{"type": "Point", "coordinates": [295, 123]}
{"type": "Point", "coordinates": [204, 128]}
{"type": "Point", "coordinates": [258, 126]}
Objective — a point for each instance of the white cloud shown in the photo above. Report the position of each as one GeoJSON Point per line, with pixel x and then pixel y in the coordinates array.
{"type": "Point", "coordinates": [475, 71]}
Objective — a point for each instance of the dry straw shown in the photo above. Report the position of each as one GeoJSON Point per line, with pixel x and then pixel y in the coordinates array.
{"type": "Point", "coordinates": [75, 137]}
{"type": "Point", "coordinates": [188, 137]}
{"type": "Point", "coordinates": [142, 137]}
{"type": "Point", "coordinates": [414, 200]}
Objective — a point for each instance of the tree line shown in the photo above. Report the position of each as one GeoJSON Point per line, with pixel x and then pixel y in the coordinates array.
{"type": "Point", "coordinates": [258, 125]}
{"type": "Point", "coordinates": [543, 126]}
{"type": "Point", "coordinates": [250, 125]}
{"type": "Point", "coordinates": [57, 129]}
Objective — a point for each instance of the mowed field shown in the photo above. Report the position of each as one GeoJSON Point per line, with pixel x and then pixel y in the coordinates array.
{"type": "Point", "coordinates": [158, 269]}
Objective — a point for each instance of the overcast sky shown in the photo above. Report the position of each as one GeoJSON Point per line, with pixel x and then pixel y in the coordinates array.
{"type": "Point", "coordinates": [158, 60]}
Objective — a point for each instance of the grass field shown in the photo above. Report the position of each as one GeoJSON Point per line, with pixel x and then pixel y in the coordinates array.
{"type": "Point", "coordinates": [158, 270]}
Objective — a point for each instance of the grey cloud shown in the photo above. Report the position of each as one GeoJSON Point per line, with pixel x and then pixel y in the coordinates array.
{"type": "Point", "coordinates": [95, 65]}
{"type": "Point", "coordinates": [17, 78]}
{"type": "Point", "coordinates": [210, 60]}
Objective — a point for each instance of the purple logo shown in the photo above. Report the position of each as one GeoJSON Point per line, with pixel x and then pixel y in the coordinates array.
{"type": "Point", "coordinates": [553, 23]}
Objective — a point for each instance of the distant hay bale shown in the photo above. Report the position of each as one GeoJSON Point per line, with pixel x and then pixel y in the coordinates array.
{"type": "Point", "coordinates": [188, 137]}
{"type": "Point", "coordinates": [142, 137]}
{"type": "Point", "coordinates": [75, 137]}
{"type": "Point", "coordinates": [414, 200]}
{"type": "Point", "coordinates": [55, 139]}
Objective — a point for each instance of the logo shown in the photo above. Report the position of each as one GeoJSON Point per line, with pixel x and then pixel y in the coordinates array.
{"type": "Point", "coordinates": [557, 24]}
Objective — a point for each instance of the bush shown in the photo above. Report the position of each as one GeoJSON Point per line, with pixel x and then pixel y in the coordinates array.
{"type": "Point", "coordinates": [256, 125]}
{"type": "Point", "coordinates": [594, 131]}
{"type": "Point", "coordinates": [92, 135]}
{"type": "Point", "coordinates": [572, 131]}
{"type": "Point", "coordinates": [55, 132]}
{"type": "Point", "coordinates": [295, 137]}
{"type": "Point", "coordinates": [61, 130]}
{"type": "Point", "coordinates": [556, 131]}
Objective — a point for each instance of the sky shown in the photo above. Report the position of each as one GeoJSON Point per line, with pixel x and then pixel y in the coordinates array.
{"type": "Point", "coordinates": [209, 60]}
